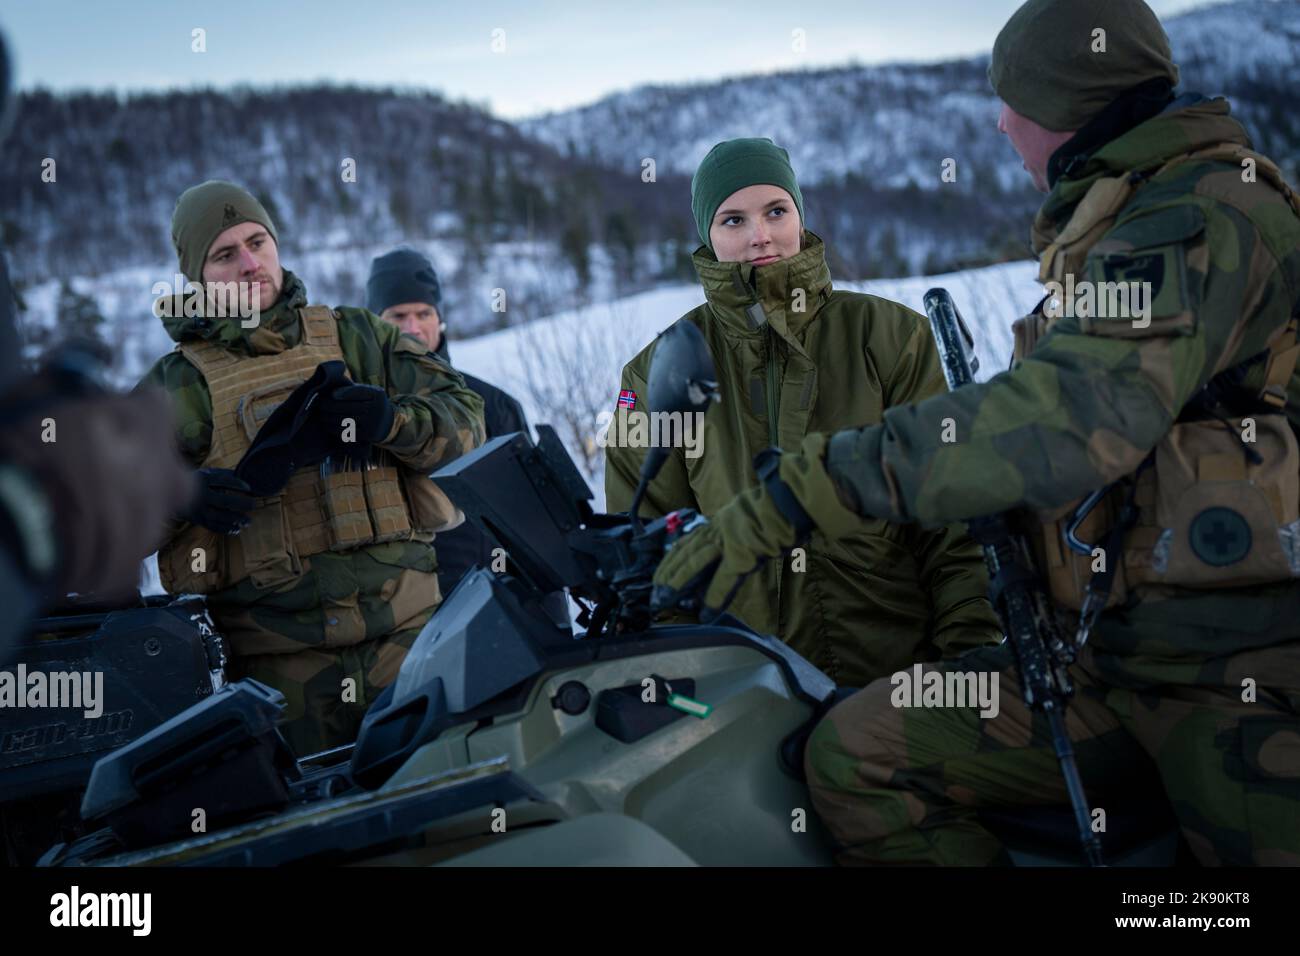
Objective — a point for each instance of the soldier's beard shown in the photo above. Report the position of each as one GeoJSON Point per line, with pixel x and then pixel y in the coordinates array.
{"type": "Point", "coordinates": [270, 291]}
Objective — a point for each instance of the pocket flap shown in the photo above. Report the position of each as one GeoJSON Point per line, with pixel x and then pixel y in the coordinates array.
{"type": "Point", "coordinates": [258, 404]}
{"type": "Point", "coordinates": [1139, 277]}
{"type": "Point", "coordinates": [1164, 227]}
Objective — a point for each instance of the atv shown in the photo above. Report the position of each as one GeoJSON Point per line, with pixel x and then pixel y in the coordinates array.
{"type": "Point", "coordinates": [513, 738]}
{"type": "Point", "coordinates": [154, 659]}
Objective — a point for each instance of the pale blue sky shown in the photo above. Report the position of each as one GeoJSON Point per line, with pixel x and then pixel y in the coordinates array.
{"type": "Point", "coordinates": [557, 53]}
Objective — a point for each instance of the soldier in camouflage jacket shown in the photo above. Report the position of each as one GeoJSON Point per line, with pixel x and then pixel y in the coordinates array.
{"type": "Point", "coordinates": [331, 629]}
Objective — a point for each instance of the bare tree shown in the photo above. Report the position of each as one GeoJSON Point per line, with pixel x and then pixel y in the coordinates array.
{"type": "Point", "coordinates": [571, 366]}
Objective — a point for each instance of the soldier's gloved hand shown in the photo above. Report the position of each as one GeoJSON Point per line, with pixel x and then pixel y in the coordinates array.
{"type": "Point", "coordinates": [224, 501]}
{"type": "Point", "coordinates": [366, 405]}
{"type": "Point", "coordinates": [793, 496]}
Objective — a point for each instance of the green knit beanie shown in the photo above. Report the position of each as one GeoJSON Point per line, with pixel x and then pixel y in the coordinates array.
{"type": "Point", "coordinates": [733, 165]}
{"type": "Point", "coordinates": [206, 211]}
{"type": "Point", "coordinates": [1044, 65]}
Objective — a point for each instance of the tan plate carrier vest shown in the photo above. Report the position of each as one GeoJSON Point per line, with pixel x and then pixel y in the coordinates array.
{"type": "Point", "coordinates": [1196, 467]}
{"type": "Point", "coordinates": [320, 509]}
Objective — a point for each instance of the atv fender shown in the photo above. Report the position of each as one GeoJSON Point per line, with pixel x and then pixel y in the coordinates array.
{"type": "Point", "coordinates": [596, 839]}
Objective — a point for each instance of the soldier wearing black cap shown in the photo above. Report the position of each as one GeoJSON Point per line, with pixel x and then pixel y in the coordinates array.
{"type": "Point", "coordinates": [403, 289]}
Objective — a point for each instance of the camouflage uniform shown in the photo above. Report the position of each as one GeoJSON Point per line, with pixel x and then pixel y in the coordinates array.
{"type": "Point", "coordinates": [1160, 693]}
{"type": "Point", "coordinates": [354, 613]}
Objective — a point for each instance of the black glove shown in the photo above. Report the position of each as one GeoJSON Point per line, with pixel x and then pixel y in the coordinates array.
{"type": "Point", "coordinates": [367, 405]}
{"type": "Point", "coordinates": [223, 503]}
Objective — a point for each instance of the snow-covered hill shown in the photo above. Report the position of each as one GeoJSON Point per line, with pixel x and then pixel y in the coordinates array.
{"type": "Point", "coordinates": [868, 142]}
{"type": "Point", "coordinates": [1220, 46]}
{"type": "Point", "coordinates": [895, 124]}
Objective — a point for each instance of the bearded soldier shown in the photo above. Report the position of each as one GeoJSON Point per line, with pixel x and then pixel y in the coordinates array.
{"type": "Point", "coordinates": [321, 587]}
{"type": "Point", "coordinates": [1190, 680]}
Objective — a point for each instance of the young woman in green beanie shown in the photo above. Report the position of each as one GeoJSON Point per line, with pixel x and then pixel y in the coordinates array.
{"type": "Point", "coordinates": [867, 604]}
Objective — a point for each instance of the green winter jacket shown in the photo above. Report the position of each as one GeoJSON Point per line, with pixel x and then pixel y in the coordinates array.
{"type": "Point", "coordinates": [864, 605]}
{"type": "Point", "coordinates": [345, 597]}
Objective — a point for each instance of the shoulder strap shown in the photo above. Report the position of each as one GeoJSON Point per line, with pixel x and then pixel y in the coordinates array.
{"type": "Point", "coordinates": [1106, 197]}
{"type": "Point", "coordinates": [319, 325]}
{"type": "Point", "coordinates": [1235, 153]}
{"type": "Point", "coordinates": [1099, 207]}
{"type": "Point", "coordinates": [1283, 355]}
{"type": "Point", "coordinates": [207, 357]}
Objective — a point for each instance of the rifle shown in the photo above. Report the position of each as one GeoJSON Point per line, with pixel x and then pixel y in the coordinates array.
{"type": "Point", "coordinates": [1016, 591]}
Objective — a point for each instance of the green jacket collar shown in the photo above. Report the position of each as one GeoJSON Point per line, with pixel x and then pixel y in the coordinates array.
{"type": "Point", "coordinates": [278, 328]}
{"type": "Point", "coordinates": [1145, 148]}
{"type": "Point", "coordinates": [731, 286]}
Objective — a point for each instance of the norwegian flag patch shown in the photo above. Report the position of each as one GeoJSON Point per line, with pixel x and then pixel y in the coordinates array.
{"type": "Point", "coordinates": [627, 399]}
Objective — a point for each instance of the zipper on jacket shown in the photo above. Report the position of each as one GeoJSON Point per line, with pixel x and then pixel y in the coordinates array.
{"type": "Point", "coordinates": [772, 394]}
{"type": "Point", "coordinates": [773, 406]}
{"type": "Point", "coordinates": [757, 318]}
